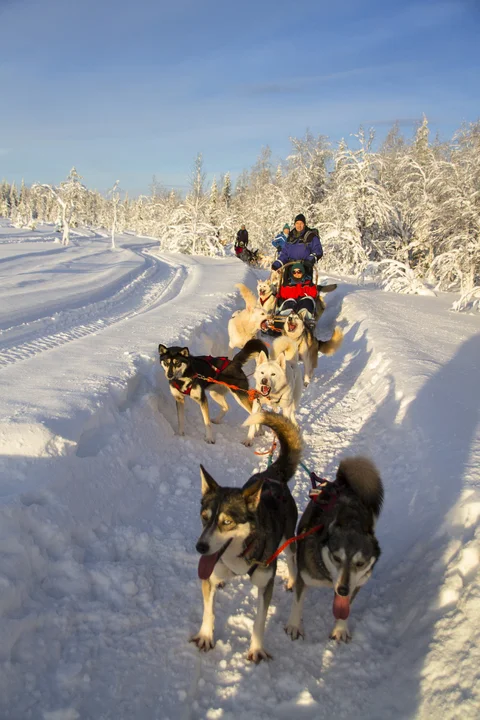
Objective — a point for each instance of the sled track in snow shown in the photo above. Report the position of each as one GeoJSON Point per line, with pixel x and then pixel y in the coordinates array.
{"type": "Point", "coordinates": [136, 297]}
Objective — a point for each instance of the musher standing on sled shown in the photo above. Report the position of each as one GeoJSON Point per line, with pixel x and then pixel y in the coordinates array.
{"type": "Point", "coordinates": [241, 242]}
{"type": "Point", "coordinates": [298, 291]}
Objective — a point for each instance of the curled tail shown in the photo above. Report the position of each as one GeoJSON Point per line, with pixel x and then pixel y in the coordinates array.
{"type": "Point", "coordinates": [328, 347]}
{"type": "Point", "coordinates": [250, 349]}
{"type": "Point", "coordinates": [291, 445]}
{"type": "Point", "coordinates": [286, 345]}
{"type": "Point", "coordinates": [361, 475]}
{"type": "Point", "coordinates": [247, 295]}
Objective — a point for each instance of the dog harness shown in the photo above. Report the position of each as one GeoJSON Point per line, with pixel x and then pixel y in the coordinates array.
{"type": "Point", "coordinates": [328, 503]}
{"type": "Point", "coordinates": [262, 302]}
{"type": "Point", "coordinates": [217, 364]}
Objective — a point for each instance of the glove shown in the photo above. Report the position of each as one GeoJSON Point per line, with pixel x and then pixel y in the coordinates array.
{"type": "Point", "coordinates": [312, 259]}
{"type": "Point", "coordinates": [276, 265]}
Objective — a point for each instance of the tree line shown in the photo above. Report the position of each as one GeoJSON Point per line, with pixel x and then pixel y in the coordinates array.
{"type": "Point", "coordinates": [406, 213]}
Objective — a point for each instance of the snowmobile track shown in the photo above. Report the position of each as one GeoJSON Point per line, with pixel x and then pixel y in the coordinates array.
{"type": "Point", "coordinates": [136, 297]}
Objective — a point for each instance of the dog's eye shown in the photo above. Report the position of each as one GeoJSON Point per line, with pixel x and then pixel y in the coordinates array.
{"type": "Point", "coordinates": [273, 374]}
{"type": "Point", "coordinates": [360, 564]}
{"type": "Point", "coordinates": [337, 558]}
{"type": "Point", "coordinates": [227, 522]}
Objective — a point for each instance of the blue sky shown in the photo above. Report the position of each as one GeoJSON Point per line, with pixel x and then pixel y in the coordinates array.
{"type": "Point", "coordinates": [127, 90]}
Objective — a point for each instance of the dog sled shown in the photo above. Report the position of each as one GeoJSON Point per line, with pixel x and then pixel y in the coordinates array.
{"type": "Point", "coordinates": [250, 257]}
{"type": "Point", "coordinates": [273, 326]}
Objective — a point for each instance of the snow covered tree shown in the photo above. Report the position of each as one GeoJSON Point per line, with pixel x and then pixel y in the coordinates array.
{"type": "Point", "coordinates": [68, 196]}
{"type": "Point", "coordinates": [115, 200]}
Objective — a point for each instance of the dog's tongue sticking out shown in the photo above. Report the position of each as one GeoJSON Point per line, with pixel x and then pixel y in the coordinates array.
{"type": "Point", "coordinates": [265, 390]}
{"type": "Point", "coordinates": [206, 565]}
{"type": "Point", "coordinates": [341, 607]}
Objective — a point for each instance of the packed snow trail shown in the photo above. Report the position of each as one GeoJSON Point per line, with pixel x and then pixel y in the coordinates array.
{"type": "Point", "coordinates": [88, 307]}
{"type": "Point", "coordinates": [100, 517]}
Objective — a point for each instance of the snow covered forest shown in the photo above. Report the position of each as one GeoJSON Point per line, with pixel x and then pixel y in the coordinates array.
{"type": "Point", "coordinates": [406, 213]}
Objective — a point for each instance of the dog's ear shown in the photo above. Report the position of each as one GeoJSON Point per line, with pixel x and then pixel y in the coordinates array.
{"type": "Point", "coordinates": [252, 494]}
{"type": "Point", "coordinates": [208, 483]}
{"type": "Point", "coordinates": [162, 349]}
{"type": "Point", "coordinates": [185, 352]}
{"type": "Point", "coordinates": [282, 361]}
{"type": "Point", "coordinates": [261, 358]}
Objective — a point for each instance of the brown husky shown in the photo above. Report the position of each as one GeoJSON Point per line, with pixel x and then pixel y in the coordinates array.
{"type": "Point", "coordinates": [308, 345]}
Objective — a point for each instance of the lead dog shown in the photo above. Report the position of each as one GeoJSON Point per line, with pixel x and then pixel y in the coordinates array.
{"type": "Point", "coordinates": [343, 551]}
{"type": "Point", "coordinates": [245, 324]}
{"type": "Point", "coordinates": [308, 345]}
{"type": "Point", "coordinates": [243, 527]}
{"type": "Point", "coordinates": [186, 375]}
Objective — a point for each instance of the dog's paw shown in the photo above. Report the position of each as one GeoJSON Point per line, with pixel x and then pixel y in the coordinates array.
{"type": "Point", "coordinates": [210, 441]}
{"type": "Point", "coordinates": [340, 632]}
{"type": "Point", "coordinates": [289, 585]}
{"type": "Point", "coordinates": [306, 383]}
{"type": "Point", "coordinates": [295, 632]}
{"type": "Point", "coordinates": [257, 656]}
{"type": "Point", "coordinates": [216, 421]}
{"type": "Point", "coordinates": [247, 442]}
{"type": "Point", "coordinates": [203, 642]}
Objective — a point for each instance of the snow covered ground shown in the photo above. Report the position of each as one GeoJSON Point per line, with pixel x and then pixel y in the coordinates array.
{"type": "Point", "coordinates": [99, 498]}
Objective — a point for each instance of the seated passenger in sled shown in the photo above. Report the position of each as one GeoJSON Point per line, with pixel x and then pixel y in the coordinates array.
{"type": "Point", "coordinates": [297, 290]}
{"type": "Point", "coordinates": [298, 293]}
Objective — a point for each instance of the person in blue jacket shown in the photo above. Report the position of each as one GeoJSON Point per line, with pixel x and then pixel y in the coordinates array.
{"type": "Point", "coordinates": [279, 240]}
{"type": "Point", "coordinates": [303, 245]}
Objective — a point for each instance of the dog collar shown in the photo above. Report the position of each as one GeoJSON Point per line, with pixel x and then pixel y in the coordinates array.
{"type": "Point", "coordinates": [262, 302]}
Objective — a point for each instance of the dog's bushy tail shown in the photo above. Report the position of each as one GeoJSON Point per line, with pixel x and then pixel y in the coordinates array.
{"type": "Point", "coordinates": [247, 295]}
{"type": "Point", "coordinates": [286, 345]}
{"type": "Point", "coordinates": [361, 475]}
{"type": "Point", "coordinates": [328, 347]}
{"type": "Point", "coordinates": [250, 349]}
{"type": "Point", "coordinates": [291, 445]}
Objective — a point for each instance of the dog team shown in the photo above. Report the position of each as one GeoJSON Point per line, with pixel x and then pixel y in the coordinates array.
{"type": "Point", "coordinates": [244, 529]}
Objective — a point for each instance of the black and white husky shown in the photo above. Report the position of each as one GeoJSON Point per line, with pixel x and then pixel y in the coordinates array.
{"type": "Point", "coordinates": [342, 552]}
{"type": "Point", "coordinates": [243, 527]}
{"type": "Point", "coordinates": [186, 375]}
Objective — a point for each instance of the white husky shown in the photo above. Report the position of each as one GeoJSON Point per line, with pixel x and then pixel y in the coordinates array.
{"type": "Point", "coordinates": [245, 324]}
{"type": "Point", "coordinates": [279, 380]}
{"type": "Point", "coordinates": [266, 294]}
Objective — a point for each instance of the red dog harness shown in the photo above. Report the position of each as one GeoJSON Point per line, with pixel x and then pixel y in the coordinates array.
{"type": "Point", "coordinates": [217, 364]}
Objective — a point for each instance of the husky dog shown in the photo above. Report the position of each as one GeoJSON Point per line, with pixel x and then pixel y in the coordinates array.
{"type": "Point", "coordinates": [279, 380]}
{"type": "Point", "coordinates": [266, 295]}
{"type": "Point", "coordinates": [242, 529]}
{"type": "Point", "coordinates": [308, 345]}
{"type": "Point", "coordinates": [342, 552]}
{"type": "Point", "coordinates": [186, 376]}
{"type": "Point", "coordinates": [245, 324]}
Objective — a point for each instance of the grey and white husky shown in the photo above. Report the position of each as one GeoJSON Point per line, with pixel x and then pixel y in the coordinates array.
{"type": "Point", "coordinates": [243, 527]}
{"type": "Point", "coordinates": [308, 345]}
{"type": "Point", "coordinates": [343, 551]}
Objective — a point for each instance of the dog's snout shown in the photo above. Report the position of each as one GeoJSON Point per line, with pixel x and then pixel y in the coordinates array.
{"type": "Point", "coordinates": [202, 547]}
{"type": "Point", "coordinates": [342, 590]}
